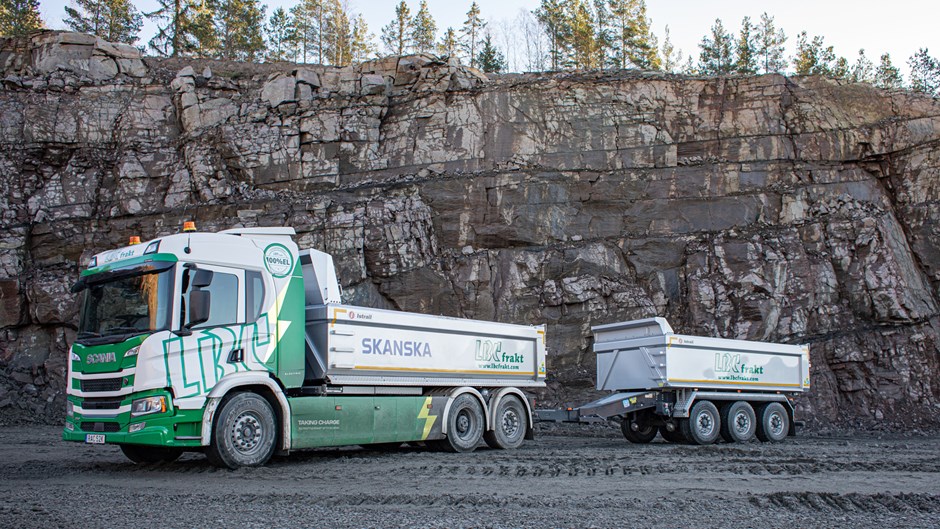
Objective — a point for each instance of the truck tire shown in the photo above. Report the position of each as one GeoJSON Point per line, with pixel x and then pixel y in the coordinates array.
{"type": "Point", "coordinates": [510, 425]}
{"type": "Point", "coordinates": [145, 455]}
{"type": "Point", "coordinates": [703, 425]}
{"type": "Point", "coordinates": [638, 429]}
{"type": "Point", "coordinates": [244, 433]}
{"type": "Point", "coordinates": [774, 423]}
{"type": "Point", "coordinates": [674, 436]}
{"type": "Point", "coordinates": [738, 422]}
{"type": "Point", "coordinates": [465, 424]}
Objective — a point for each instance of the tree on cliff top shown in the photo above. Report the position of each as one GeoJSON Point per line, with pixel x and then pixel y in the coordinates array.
{"type": "Point", "coordinates": [178, 27]}
{"type": "Point", "coordinates": [925, 72]}
{"type": "Point", "coordinates": [770, 45]}
{"type": "Point", "coordinates": [448, 43]}
{"type": "Point", "coordinates": [470, 34]}
{"type": "Point", "coordinates": [111, 20]}
{"type": "Point", "coordinates": [362, 44]}
{"type": "Point", "coordinates": [553, 17]}
{"type": "Point", "coordinates": [423, 30]}
{"type": "Point", "coordinates": [280, 34]}
{"type": "Point", "coordinates": [491, 60]}
{"type": "Point", "coordinates": [746, 48]}
{"type": "Point", "coordinates": [887, 75]}
{"type": "Point", "coordinates": [19, 17]}
{"type": "Point", "coordinates": [813, 57]}
{"type": "Point", "coordinates": [397, 34]}
{"type": "Point", "coordinates": [238, 25]}
{"type": "Point", "coordinates": [716, 57]}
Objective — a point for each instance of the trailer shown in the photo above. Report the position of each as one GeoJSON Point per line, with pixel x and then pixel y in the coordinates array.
{"type": "Point", "coordinates": [237, 344]}
{"type": "Point", "coordinates": [690, 388]}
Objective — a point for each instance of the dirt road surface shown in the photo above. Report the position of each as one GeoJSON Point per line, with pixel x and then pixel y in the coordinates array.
{"type": "Point", "coordinates": [568, 477]}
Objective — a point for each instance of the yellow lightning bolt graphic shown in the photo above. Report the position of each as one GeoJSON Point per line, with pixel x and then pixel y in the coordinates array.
{"type": "Point", "coordinates": [428, 419]}
{"type": "Point", "coordinates": [281, 326]}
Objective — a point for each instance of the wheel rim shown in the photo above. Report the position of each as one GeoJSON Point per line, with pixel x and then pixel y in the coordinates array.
{"type": "Point", "coordinates": [742, 423]}
{"type": "Point", "coordinates": [705, 424]}
{"type": "Point", "coordinates": [464, 424]}
{"type": "Point", "coordinates": [776, 424]}
{"type": "Point", "coordinates": [247, 433]}
{"type": "Point", "coordinates": [510, 423]}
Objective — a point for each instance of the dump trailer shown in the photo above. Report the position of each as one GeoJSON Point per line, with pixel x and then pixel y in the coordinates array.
{"type": "Point", "coordinates": [690, 388]}
{"type": "Point", "coordinates": [237, 344]}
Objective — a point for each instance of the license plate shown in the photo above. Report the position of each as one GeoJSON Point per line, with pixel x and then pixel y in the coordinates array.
{"type": "Point", "coordinates": [94, 438]}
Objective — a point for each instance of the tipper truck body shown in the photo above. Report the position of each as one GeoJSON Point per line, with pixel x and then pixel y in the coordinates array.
{"type": "Point", "coordinates": [691, 388]}
{"type": "Point", "coordinates": [237, 344]}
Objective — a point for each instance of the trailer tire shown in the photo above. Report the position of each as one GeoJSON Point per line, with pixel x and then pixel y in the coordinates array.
{"type": "Point", "coordinates": [674, 436]}
{"type": "Point", "coordinates": [638, 429]}
{"type": "Point", "coordinates": [465, 424]}
{"type": "Point", "coordinates": [145, 455]}
{"type": "Point", "coordinates": [738, 422]}
{"type": "Point", "coordinates": [510, 425]}
{"type": "Point", "coordinates": [703, 425]}
{"type": "Point", "coordinates": [774, 423]}
{"type": "Point", "coordinates": [244, 432]}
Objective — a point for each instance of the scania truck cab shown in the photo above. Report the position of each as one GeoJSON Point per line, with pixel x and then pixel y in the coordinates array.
{"type": "Point", "coordinates": [237, 344]}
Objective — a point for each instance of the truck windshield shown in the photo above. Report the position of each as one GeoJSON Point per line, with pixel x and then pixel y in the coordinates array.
{"type": "Point", "coordinates": [132, 303]}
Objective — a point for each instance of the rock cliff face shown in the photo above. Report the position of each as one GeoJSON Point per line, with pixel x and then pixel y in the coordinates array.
{"type": "Point", "coordinates": [766, 208]}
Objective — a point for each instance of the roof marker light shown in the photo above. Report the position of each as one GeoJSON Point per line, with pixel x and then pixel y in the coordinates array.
{"type": "Point", "coordinates": [189, 226]}
{"type": "Point", "coordinates": [135, 239]}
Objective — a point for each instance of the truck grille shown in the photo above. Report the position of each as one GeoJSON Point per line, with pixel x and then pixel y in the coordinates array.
{"type": "Point", "coordinates": [101, 404]}
{"type": "Point", "coordinates": [101, 427]}
{"type": "Point", "coordinates": [101, 384]}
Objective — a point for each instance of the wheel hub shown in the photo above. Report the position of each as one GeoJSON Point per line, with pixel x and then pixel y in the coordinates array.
{"type": "Point", "coordinates": [776, 424]}
{"type": "Point", "coordinates": [510, 423]}
{"type": "Point", "coordinates": [247, 432]}
{"type": "Point", "coordinates": [742, 423]}
{"type": "Point", "coordinates": [463, 423]}
{"type": "Point", "coordinates": [705, 424]}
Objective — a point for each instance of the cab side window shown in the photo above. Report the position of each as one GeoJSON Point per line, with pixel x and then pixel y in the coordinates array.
{"type": "Point", "coordinates": [254, 295]}
{"type": "Point", "coordinates": [223, 307]}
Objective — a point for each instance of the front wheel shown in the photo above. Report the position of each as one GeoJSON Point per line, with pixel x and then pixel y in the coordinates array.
{"type": "Point", "coordinates": [703, 425]}
{"type": "Point", "coordinates": [465, 424]}
{"type": "Point", "coordinates": [244, 432]}
{"type": "Point", "coordinates": [145, 455]}
{"type": "Point", "coordinates": [773, 424]}
{"type": "Point", "coordinates": [509, 425]}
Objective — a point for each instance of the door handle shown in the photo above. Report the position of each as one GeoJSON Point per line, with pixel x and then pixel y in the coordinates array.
{"type": "Point", "coordinates": [237, 355]}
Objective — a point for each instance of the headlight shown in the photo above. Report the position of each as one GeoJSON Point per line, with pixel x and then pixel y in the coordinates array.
{"type": "Point", "coordinates": [74, 356]}
{"type": "Point", "coordinates": [148, 405]}
{"type": "Point", "coordinates": [132, 351]}
{"type": "Point", "coordinates": [69, 408]}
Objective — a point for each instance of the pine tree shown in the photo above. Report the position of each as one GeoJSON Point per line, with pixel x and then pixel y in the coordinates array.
{"type": "Point", "coordinates": [470, 34]}
{"type": "Point", "coordinates": [203, 29]}
{"type": "Point", "coordinates": [813, 57]}
{"type": "Point", "coordinates": [583, 43]}
{"type": "Point", "coordinates": [337, 34]}
{"type": "Point", "coordinates": [238, 25]}
{"type": "Point", "coordinates": [397, 34]}
{"type": "Point", "coordinates": [603, 34]}
{"type": "Point", "coordinates": [840, 69]}
{"type": "Point", "coordinates": [746, 49]}
{"type": "Point", "coordinates": [447, 46]}
{"type": "Point", "coordinates": [176, 28]}
{"type": "Point", "coordinates": [770, 46]}
{"type": "Point", "coordinates": [863, 70]}
{"type": "Point", "coordinates": [19, 17]}
{"type": "Point", "coordinates": [280, 36]}
{"type": "Point", "coordinates": [887, 75]}
{"type": "Point", "coordinates": [925, 72]}
{"type": "Point", "coordinates": [490, 59]}
{"type": "Point", "coordinates": [305, 29]}
{"type": "Point", "coordinates": [362, 45]}
{"type": "Point", "coordinates": [671, 59]}
{"type": "Point", "coordinates": [111, 20]}
{"type": "Point", "coordinates": [424, 30]}
{"type": "Point", "coordinates": [551, 14]}
{"type": "Point", "coordinates": [716, 56]}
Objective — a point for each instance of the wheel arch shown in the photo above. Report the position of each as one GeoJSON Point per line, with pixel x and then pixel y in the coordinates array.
{"type": "Point", "coordinates": [498, 396]}
{"type": "Point", "coordinates": [259, 383]}
{"type": "Point", "coordinates": [456, 392]}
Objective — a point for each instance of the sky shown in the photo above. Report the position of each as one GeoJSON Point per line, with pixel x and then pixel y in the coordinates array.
{"type": "Point", "coordinates": [898, 27]}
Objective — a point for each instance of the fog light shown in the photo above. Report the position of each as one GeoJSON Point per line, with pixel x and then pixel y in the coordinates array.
{"type": "Point", "coordinates": [137, 427]}
{"type": "Point", "coordinates": [69, 426]}
{"type": "Point", "coordinates": [69, 409]}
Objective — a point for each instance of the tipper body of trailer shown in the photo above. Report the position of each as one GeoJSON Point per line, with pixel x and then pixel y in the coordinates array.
{"type": "Point", "coordinates": [237, 344]}
{"type": "Point", "coordinates": [691, 388]}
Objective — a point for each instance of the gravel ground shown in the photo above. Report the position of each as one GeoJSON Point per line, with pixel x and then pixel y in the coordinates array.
{"type": "Point", "coordinates": [569, 477]}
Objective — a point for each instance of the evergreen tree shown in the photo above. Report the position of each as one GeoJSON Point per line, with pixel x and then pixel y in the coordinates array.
{"type": "Point", "coordinates": [203, 29]}
{"type": "Point", "coordinates": [111, 20]}
{"type": "Point", "coordinates": [925, 72]}
{"type": "Point", "coordinates": [603, 34]}
{"type": "Point", "coordinates": [305, 28]}
{"type": "Point", "coordinates": [19, 17]}
{"type": "Point", "coordinates": [716, 55]}
{"type": "Point", "coordinates": [490, 60]}
{"type": "Point", "coordinates": [238, 25]}
{"type": "Point", "coordinates": [746, 48]}
{"type": "Point", "coordinates": [583, 43]}
{"type": "Point", "coordinates": [671, 58]}
{"type": "Point", "coordinates": [470, 34]}
{"type": "Point", "coordinates": [863, 70]}
{"type": "Point", "coordinates": [887, 75]}
{"type": "Point", "coordinates": [397, 34]}
{"type": "Point", "coordinates": [813, 57]}
{"type": "Point", "coordinates": [176, 28]}
{"type": "Point", "coordinates": [770, 46]}
{"type": "Point", "coordinates": [424, 30]}
{"type": "Point", "coordinates": [840, 69]}
{"type": "Point", "coordinates": [280, 35]}
{"type": "Point", "coordinates": [337, 34]}
{"type": "Point", "coordinates": [551, 14]}
{"type": "Point", "coordinates": [362, 45]}
{"type": "Point", "coordinates": [448, 44]}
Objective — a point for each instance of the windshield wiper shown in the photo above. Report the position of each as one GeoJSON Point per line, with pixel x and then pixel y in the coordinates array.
{"type": "Point", "coordinates": [88, 334]}
{"type": "Point", "coordinates": [125, 330]}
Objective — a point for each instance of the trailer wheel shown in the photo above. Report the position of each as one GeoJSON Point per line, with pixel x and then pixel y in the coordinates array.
{"type": "Point", "coordinates": [465, 424]}
{"type": "Point", "coordinates": [674, 436]}
{"type": "Point", "coordinates": [774, 423]}
{"type": "Point", "coordinates": [244, 432]}
{"type": "Point", "coordinates": [510, 425]}
{"type": "Point", "coordinates": [143, 455]}
{"type": "Point", "coordinates": [637, 428]}
{"type": "Point", "coordinates": [703, 425]}
{"type": "Point", "coordinates": [738, 422]}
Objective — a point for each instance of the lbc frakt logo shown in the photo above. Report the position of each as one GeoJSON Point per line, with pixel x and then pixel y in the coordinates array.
{"type": "Point", "coordinates": [492, 351]}
{"type": "Point", "coordinates": [729, 363]}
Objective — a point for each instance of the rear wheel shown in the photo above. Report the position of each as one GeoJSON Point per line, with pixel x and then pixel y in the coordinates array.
{"type": "Point", "coordinates": [143, 454]}
{"type": "Point", "coordinates": [738, 422]}
{"type": "Point", "coordinates": [637, 428]}
{"type": "Point", "coordinates": [465, 424]}
{"type": "Point", "coordinates": [675, 436]}
{"type": "Point", "coordinates": [244, 432]}
{"type": "Point", "coordinates": [774, 423]}
{"type": "Point", "coordinates": [509, 425]}
{"type": "Point", "coordinates": [703, 425]}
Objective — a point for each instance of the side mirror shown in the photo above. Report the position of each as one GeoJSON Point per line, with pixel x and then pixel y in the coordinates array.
{"type": "Point", "coordinates": [198, 306]}
{"type": "Point", "coordinates": [202, 279]}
